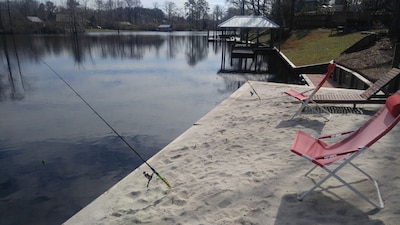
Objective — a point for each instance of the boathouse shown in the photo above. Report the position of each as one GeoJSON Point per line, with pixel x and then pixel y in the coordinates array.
{"type": "Point", "coordinates": [165, 28]}
{"type": "Point", "coordinates": [247, 45]}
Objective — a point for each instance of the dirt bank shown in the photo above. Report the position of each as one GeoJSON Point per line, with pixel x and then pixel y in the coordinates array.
{"type": "Point", "coordinates": [371, 62]}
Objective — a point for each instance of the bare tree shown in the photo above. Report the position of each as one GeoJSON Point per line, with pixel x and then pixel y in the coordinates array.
{"type": "Point", "coordinates": [203, 8]}
{"type": "Point", "coordinates": [99, 4]}
{"type": "Point", "coordinates": [85, 8]}
{"type": "Point", "coordinates": [28, 7]}
{"type": "Point", "coordinates": [218, 13]}
{"type": "Point", "coordinates": [190, 8]}
{"type": "Point", "coordinates": [41, 12]}
{"type": "Point", "coordinates": [133, 3]}
{"type": "Point", "coordinates": [255, 7]}
{"type": "Point", "coordinates": [72, 7]}
{"type": "Point", "coordinates": [129, 3]}
{"type": "Point", "coordinates": [118, 4]}
{"type": "Point", "coordinates": [109, 5]}
{"type": "Point", "coordinates": [169, 8]}
{"type": "Point", "coordinates": [197, 11]}
{"type": "Point", "coordinates": [109, 13]}
{"type": "Point", "coordinates": [51, 9]}
{"type": "Point", "coordinates": [137, 3]}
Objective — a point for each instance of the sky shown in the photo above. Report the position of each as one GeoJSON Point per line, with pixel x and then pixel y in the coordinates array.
{"type": "Point", "coordinates": [180, 3]}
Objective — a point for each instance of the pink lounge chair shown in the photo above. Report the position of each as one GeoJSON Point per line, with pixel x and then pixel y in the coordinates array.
{"type": "Point", "coordinates": [344, 151]}
{"type": "Point", "coordinates": [307, 99]}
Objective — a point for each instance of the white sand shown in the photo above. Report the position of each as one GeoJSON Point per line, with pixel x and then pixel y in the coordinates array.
{"type": "Point", "coordinates": [234, 166]}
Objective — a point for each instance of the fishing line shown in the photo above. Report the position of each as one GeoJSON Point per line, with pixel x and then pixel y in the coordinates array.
{"type": "Point", "coordinates": [109, 125]}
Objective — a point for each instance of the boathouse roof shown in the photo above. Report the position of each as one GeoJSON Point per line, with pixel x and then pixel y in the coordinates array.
{"type": "Point", "coordinates": [34, 19]}
{"type": "Point", "coordinates": [248, 22]}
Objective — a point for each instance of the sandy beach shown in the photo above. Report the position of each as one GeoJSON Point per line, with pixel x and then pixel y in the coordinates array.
{"type": "Point", "coordinates": [234, 166]}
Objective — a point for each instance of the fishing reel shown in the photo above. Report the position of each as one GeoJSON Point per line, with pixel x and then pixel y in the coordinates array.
{"type": "Point", "coordinates": [148, 176]}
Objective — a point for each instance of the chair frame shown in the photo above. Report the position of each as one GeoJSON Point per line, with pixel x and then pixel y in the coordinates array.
{"type": "Point", "coordinates": [332, 173]}
{"type": "Point", "coordinates": [307, 100]}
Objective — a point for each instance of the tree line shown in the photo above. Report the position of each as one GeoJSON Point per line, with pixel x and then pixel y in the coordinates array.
{"type": "Point", "coordinates": [193, 15]}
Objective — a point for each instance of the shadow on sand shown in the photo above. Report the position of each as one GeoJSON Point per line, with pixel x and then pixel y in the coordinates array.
{"type": "Point", "coordinates": [321, 209]}
{"type": "Point", "coordinates": [301, 123]}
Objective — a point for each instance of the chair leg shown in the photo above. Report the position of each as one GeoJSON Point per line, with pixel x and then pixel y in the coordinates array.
{"type": "Point", "coordinates": [332, 173]}
{"type": "Point", "coordinates": [299, 110]}
{"type": "Point", "coordinates": [302, 196]}
{"type": "Point", "coordinates": [312, 169]}
{"type": "Point", "coordinates": [324, 110]}
{"type": "Point", "coordinates": [379, 205]}
{"type": "Point", "coordinates": [378, 192]}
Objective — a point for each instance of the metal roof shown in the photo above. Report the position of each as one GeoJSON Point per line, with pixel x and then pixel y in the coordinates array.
{"type": "Point", "coordinates": [248, 22]}
{"type": "Point", "coordinates": [34, 19]}
{"type": "Point", "coordinates": [164, 26]}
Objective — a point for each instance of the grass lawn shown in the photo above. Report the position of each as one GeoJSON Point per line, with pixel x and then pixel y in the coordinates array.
{"type": "Point", "coordinates": [317, 46]}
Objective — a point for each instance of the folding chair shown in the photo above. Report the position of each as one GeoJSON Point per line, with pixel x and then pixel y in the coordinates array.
{"type": "Point", "coordinates": [344, 151]}
{"type": "Point", "coordinates": [306, 99]}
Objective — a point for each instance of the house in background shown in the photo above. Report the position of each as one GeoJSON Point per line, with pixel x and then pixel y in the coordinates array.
{"type": "Point", "coordinates": [165, 28]}
{"type": "Point", "coordinates": [34, 24]}
{"type": "Point", "coordinates": [338, 15]}
{"type": "Point", "coordinates": [124, 25]}
{"type": "Point", "coordinates": [318, 6]}
{"type": "Point", "coordinates": [35, 19]}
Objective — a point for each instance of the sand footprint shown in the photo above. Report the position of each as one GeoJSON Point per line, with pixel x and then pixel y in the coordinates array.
{"type": "Point", "coordinates": [178, 202]}
{"type": "Point", "coordinates": [205, 145]}
{"type": "Point", "coordinates": [134, 194]}
{"type": "Point", "coordinates": [176, 156]}
{"type": "Point", "coordinates": [222, 131]}
{"type": "Point", "coordinates": [224, 203]}
{"type": "Point", "coordinates": [123, 212]}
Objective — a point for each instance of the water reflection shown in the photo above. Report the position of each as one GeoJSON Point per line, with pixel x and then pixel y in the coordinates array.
{"type": "Point", "coordinates": [10, 77]}
{"type": "Point", "coordinates": [55, 155]}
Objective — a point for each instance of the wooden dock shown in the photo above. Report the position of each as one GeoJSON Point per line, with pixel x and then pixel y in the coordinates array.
{"type": "Point", "coordinates": [242, 53]}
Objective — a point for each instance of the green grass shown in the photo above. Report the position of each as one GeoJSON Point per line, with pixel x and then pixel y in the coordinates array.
{"type": "Point", "coordinates": [317, 46]}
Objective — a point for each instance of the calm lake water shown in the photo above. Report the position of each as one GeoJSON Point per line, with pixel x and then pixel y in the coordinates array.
{"type": "Point", "coordinates": [56, 155]}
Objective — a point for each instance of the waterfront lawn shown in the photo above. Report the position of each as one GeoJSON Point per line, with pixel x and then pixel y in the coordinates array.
{"type": "Point", "coordinates": [317, 46]}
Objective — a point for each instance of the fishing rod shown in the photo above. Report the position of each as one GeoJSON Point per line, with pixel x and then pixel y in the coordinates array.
{"type": "Point", "coordinates": [109, 125]}
{"type": "Point", "coordinates": [253, 90]}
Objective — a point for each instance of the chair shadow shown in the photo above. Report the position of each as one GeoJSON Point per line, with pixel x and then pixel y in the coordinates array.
{"type": "Point", "coordinates": [316, 125]}
{"type": "Point", "coordinates": [333, 110]}
{"type": "Point", "coordinates": [320, 209]}
{"type": "Point", "coordinates": [340, 110]}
